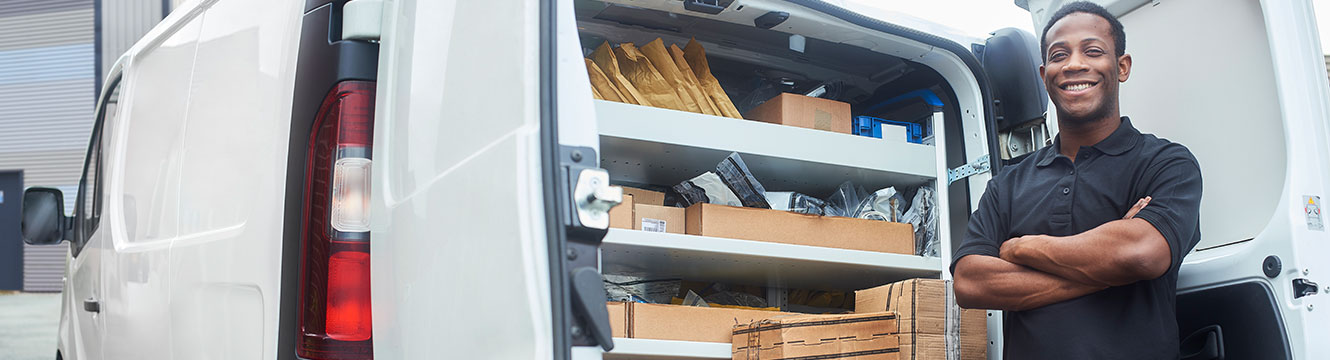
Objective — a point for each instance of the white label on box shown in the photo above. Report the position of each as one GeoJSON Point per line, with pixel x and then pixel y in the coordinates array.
{"type": "Point", "coordinates": [653, 225]}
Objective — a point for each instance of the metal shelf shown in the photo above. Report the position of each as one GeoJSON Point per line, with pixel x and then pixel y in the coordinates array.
{"type": "Point", "coordinates": [652, 254]}
{"type": "Point", "coordinates": [644, 349]}
{"type": "Point", "coordinates": [660, 146]}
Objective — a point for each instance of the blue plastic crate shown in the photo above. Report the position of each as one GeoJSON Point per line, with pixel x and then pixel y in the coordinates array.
{"type": "Point", "coordinates": [872, 127]}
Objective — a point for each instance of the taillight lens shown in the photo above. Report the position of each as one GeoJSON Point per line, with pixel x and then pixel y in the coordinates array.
{"type": "Point", "coordinates": [335, 317]}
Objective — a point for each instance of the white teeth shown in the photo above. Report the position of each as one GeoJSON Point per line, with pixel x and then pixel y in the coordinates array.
{"type": "Point", "coordinates": [1078, 87]}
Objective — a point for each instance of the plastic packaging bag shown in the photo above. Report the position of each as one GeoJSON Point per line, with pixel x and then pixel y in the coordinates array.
{"type": "Point", "coordinates": [845, 200]}
{"type": "Point", "coordinates": [884, 204]}
{"type": "Point", "coordinates": [638, 289]}
{"type": "Point", "coordinates": [924, 219]}
{"type": "Point", "coordinates": [796, 202]}
{"type": "Point", "coordinates": [736, 186]}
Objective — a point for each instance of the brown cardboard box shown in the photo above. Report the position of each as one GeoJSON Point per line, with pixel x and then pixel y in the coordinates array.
{"type": "Point", "coordinates": [803, 111]}
{"type": "Point", "coordinates": [621, 216]}
{"type": "Point", "coordinates": [644, 196]}
{"type": "Point", "coordinates": [922, 305]}
{"type": "Point", "coordinates": [618, 318]}
{"type": "Point", "coordinates": [799, 229]}
{"type": "Point", "coordinates": [689, 323]}
{"type": "Point", "coordinates": [858, 336]}
{"type": "Point", "coordinates": [659, 218]}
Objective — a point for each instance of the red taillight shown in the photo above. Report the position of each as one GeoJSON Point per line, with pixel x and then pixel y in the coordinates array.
{"type": "Point", "coordinates": [335, 316]}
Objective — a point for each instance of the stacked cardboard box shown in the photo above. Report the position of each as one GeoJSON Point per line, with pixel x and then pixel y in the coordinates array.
{"type": "Point", "coordinates": [806, 112]}
{"type": "Point", "coordinates": [678, 322]}
{"type": "Point", "coordinates": [799, 229]}
{"type": "Point", "coordinates": [857, 336]}
{"type": "Point", "coordinates": [923, 306]}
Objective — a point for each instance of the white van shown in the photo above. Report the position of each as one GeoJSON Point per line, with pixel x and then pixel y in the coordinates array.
{"type": "Point", "coordinates": [229, 196]}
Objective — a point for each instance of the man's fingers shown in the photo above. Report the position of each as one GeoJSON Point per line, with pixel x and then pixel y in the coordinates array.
{"type": "Point", "coordinates": [1140, 204]}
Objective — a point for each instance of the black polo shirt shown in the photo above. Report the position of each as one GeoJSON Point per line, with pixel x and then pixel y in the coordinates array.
{"type": "Point", "coordinates": [1049, 194]}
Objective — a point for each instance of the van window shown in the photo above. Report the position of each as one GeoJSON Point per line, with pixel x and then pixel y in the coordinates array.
{"type": "Point", "coordinates": [88, 208]}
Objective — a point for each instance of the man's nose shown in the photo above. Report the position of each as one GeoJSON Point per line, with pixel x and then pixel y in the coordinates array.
{"type": "Point", "coordinates": [1076, 62]}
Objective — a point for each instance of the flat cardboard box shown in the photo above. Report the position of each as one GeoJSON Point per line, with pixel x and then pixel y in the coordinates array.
{"type": "Point", "coordinates": [621, 216]}
{"type": "Point", "coordinates": [690, 323]}
{"type": "Point", "coordinates": [803, 111]}
{"type": "Point", "coordinates": [644, 196]}
{"type": "Point", "coordinates": [857, 336]}
{"type": "Point", "coordinates": [922, 305]}
{"type": "Point", "coordinates": [618, 318]}
{"type": "Point", "coordinates": [799, 229]}
{"type": "Point", "coordinates": [659, 218]}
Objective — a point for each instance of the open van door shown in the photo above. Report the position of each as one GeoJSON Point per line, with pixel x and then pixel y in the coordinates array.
{"type": "Point", "coordinates": [1250, 100]}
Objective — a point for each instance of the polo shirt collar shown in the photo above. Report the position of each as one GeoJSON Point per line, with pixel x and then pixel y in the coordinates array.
{"type": "Point", "coordinates": [1121, 140]}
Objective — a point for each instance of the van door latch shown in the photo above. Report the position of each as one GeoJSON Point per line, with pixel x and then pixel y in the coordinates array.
{"type": "Point", "coordinates": [1304, 287]}
{"type": "Point", "coordinates": [979, 166]}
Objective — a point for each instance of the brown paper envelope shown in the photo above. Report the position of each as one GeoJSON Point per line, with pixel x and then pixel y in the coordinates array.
{"type": "Point", "coordinates": [605, 90]}
{"type": "Point", "coordinates": [596, 94]}
{"type": "Point", "coordinates": [604, 58]}
{"type": "Point", "coordinates": [694, 88]}
{"type": "Point", "coordinates": [697, 59]}
{"type": "Point", "coordinates": [661, 60]}
{"type": "Point", "coordinates": [648, 81]}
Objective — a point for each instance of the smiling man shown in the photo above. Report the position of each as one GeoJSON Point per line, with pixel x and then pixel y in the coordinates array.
{"type": "Point", "coordinates": [1080, 243]}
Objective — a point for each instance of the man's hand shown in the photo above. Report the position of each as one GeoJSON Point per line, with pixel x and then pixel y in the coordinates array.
{"type": "Point", "coordinates": [1140, 204]}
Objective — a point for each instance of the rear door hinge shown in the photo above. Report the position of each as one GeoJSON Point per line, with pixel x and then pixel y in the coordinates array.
{"type": "Point", "coordinates": [362, 20]}
{"type": "Point", "coordinates": [979, 166]}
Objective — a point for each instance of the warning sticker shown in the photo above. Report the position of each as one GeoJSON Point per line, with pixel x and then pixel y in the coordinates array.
{"type": "Point", "coordinates": [1311, 205]}
{"type": "Point", "coordinates": [653, 225]}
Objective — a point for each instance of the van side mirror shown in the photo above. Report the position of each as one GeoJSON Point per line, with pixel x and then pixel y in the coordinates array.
{"type": "Point", "coordinates": [44, 220]}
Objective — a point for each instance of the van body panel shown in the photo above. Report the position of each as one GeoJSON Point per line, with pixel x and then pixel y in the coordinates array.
{"type": "Point", "coordinates": [227, 255]}
{"type": "Point", "coordinates": [459, 263]}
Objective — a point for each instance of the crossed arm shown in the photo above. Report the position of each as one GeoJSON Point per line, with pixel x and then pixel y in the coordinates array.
{"type": "Point", "coordinates": [1038, 270]}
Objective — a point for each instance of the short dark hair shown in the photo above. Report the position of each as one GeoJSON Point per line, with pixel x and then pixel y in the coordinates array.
{"type": "Point", "coordinates": [1119, 36]}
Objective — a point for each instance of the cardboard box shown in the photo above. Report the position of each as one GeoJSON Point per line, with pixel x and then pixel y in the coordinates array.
{"type": "Point", "coordinates": [857, 336]}
{"type": "Point", "coordinates": [644, 196]}
{"type": "Point", "coordinates": [922, 306]}
{"type": "Point", "coordinates": [799, 229]}
{"type": "Point", "coordinates": [621, 216]}
{"type": "Point", "coordinates": [659, 218]}
{"type": "Point", "coordinates": [690, 323]}
{"type": "Point", "coordinates": [803, 111]}
{"type": "Point", "coordinates": [618, 318]}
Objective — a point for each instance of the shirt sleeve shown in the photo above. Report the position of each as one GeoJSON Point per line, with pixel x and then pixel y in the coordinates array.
{"type": "Point", "coordinates": [987, 227]}
{"type": "Point", "coordinates": [1173, 181]}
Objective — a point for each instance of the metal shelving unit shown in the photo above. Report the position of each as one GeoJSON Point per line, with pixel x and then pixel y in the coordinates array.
{"type": "Point", "coordinates": [733, 261]}
{"type": "Point", "coordinates": [653, 145]}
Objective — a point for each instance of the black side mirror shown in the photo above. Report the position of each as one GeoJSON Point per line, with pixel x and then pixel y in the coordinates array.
{"type": "Point", "coordinates": [44, 220]}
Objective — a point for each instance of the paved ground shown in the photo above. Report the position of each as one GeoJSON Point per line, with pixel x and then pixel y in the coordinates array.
{"type": "Point", "coordinates": [28, 324]}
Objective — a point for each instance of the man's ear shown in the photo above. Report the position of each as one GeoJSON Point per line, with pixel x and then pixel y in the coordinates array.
{"type": "Point", "coordinates": [1124, 67]}
{"type": "Point", "coordinates": [1041, 74]}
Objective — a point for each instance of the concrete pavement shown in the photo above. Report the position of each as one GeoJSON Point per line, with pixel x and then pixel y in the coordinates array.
{"type": "Point", "coordinates": [28, 326]}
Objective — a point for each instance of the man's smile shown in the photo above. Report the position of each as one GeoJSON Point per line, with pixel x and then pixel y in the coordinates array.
{"type": "Point", "coordinates": [1077, 87]}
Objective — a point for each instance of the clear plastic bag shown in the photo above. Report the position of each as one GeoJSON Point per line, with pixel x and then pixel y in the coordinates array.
{"type": "Point", "coordinates": [796, 202]}
{"type": "Point", "coordinates": [845, 200]}
{"type": "Point", "coordinates": [639, 289]}
{"type": "Point", "coordinates": [924, 219]}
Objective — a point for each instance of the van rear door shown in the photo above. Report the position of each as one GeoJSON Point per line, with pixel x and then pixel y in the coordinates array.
{"type": "Point", "coordinates": [1249, 98]}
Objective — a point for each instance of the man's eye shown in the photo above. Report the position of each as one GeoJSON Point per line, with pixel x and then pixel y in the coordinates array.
{"type": "Point", "coordinates": [1094, 52]}
{"type": "Point", "coordinates": [1057, 56]}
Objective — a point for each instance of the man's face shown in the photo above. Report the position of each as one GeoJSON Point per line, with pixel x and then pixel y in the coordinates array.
{"type": "Point", "coordinates": [1081, 70]}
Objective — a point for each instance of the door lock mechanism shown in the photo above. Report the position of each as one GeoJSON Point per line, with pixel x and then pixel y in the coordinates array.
{"type": "Point", "coordinates": [594, 197]}
{"type": "Point", "coordinates": [1304, 287]}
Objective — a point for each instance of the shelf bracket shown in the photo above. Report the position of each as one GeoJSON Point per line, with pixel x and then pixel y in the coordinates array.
{"type": "Point", "coordinates": [979, 166]}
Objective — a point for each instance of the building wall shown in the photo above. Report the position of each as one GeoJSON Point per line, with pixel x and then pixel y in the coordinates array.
{"type": "Point", "coordinates": [49, 75]}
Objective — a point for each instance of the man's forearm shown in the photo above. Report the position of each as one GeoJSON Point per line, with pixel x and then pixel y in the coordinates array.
{"type": "Point", "coordinates": [1113, 254]}
{"type": "Point", "coordinates": [986, 282]}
